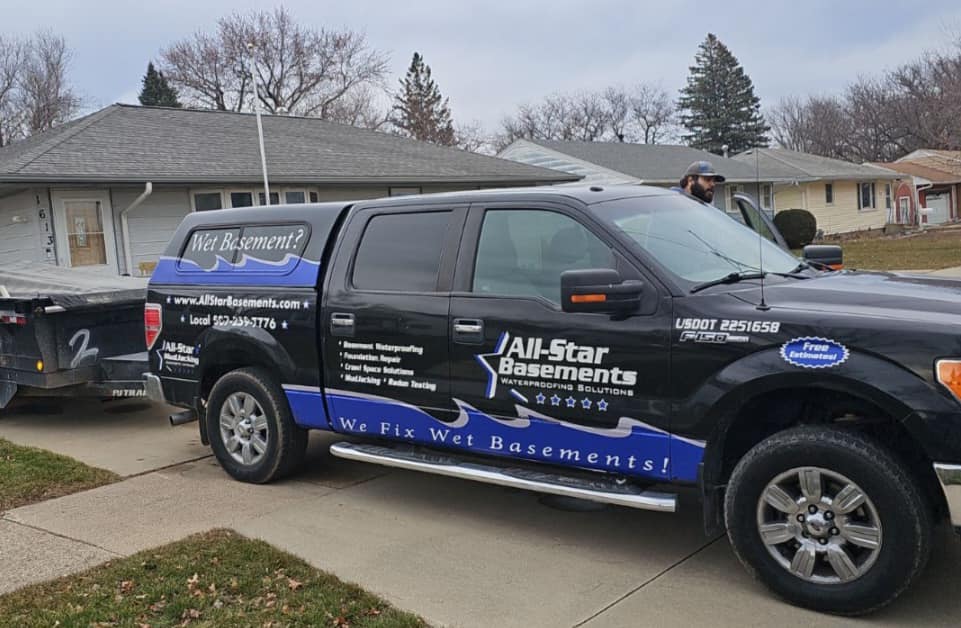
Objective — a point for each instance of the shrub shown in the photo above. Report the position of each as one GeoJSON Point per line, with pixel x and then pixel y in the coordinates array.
{"type": "Point", "coordinates": [798, 226]}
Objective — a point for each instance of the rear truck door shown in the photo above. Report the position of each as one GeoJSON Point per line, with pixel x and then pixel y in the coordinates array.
{"type": "Point", "coordinates": [531, 381]}
{"type": "Point", "coordinates": [385, 321]}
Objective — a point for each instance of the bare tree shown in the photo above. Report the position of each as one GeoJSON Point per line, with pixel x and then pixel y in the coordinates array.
{"type": "Point", "coordinates": [643, 113]}
{"type": "Point", "coordinates": [45, 98]}
{"type": "Point", "coordinates": [474, 138]}
{"type": "Point", "coordinates": [297, 69]}
{"type": "Point", "coordinates": [13, 55]}
{"type": "Point", "coordinates": [818, 125]}
{"type": "Point", "coordinates": [653, 115]}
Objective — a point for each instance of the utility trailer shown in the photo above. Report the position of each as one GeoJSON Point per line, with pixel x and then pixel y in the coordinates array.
{"type": "Point", "coordinates": [69, 332]}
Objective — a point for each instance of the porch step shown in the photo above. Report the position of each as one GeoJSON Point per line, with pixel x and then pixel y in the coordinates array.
{"type": "Point", "coordinates": [601, 490]}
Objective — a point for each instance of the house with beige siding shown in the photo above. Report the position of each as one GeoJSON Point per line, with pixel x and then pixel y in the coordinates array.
{"type": "Point", "coordinates": [107, 191]}
{"type": "Point", "coordinates": [843, 196]}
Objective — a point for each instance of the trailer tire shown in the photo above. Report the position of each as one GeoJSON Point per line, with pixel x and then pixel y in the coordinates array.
{"type": "Point", "coordinates": [251, 429]}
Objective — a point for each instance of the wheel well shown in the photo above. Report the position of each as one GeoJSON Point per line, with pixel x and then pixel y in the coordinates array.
{"type": "Point", "coordinates": [777, 410]}
{"type": "Point", "coordinates": [229, 360]}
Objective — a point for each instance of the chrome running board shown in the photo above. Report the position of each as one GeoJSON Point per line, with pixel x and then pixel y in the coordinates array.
{"type": "Point", "coordinates": [601, 490]}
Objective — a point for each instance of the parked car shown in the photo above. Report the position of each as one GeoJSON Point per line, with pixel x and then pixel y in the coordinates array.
{"type": "Point", "coordinates": [601, 343]}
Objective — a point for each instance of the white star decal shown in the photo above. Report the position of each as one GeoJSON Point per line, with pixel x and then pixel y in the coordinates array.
{"type": "Point", "coordinates": [306, 305]}
{"type": "Point", "coordinates": [602, 405]}
{"type": "Point", "coordinates": [183, 319]}
{"type": "Point", "coordinates": [555, 400]}
{"type": "Point", "coordinates": [168, 299]}
{"type": "Point", "coordinates": [571, 402]}
{"type": "Point", "coordinates": [283, 325]}
{"type": "Point", "coordinates": [540, 399]}
{"type": "Point", "coordinates": [586, 403]}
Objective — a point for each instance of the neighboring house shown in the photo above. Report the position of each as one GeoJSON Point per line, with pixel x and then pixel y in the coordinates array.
{"type": "Point", "coordinates": [106, 191]}
{"type": "Point", "coordinates": [936, 178]}
{"type": "Point", "coordinates": [610, 163]}
{"type": "Point", "coordinates": [842, 196]}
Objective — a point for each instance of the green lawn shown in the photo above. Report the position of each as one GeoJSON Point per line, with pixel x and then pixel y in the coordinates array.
{"type": "Point", "coordinates": [214, 579]}
{"type": "Point", "coordinates": [30, 475]}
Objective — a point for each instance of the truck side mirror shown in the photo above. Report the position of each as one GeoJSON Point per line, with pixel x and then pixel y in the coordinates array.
{"type": "Point", "coordinates": [599, 290]}
{"type": "Point", "coordinates": [829, 255]}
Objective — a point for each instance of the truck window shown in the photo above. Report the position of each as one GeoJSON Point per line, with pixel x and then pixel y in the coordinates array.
{"type": "Point", "coordinates": [401, 252]}
{"type": "Point", "coordinates": [524, 252]}
{"type": "Point", "coordinates": [204, 246]}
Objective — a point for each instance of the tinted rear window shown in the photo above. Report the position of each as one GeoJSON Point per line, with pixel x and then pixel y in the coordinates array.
{"type": "Point", "coordinates": [273, 244]}
{"type": "Point", "coordinates": [401, 252]}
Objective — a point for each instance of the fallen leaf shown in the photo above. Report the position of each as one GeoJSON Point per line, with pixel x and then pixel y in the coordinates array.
{"type": "Point", "coordinates": [294, 584]}
{"type": "Point", "coordinates": [126, 586]}
{"type": "Point", "coordinates": [341, 622]}
{"type": "Point", "coordinates": [212, 588]}
{"type": "Point", "coordinates": [372, 612]}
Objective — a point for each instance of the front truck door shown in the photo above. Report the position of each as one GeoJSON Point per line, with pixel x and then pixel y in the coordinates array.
{"type": "Point", "coordinates": [385, 331]}
{"type": "Point", "coordinates": [531, 381]}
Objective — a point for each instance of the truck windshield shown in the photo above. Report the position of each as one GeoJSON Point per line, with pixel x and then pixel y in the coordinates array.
{"type": "Point", "coordinates": [694, 241]}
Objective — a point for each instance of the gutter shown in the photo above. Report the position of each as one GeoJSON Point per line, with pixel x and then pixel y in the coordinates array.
{"type": "Point", "coordinates": [125, 227]}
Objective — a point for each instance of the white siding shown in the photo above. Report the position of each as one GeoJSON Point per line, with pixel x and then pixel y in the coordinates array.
{"type": "Point", "coordinates": [151, 223]}
{"type": "Point", "coordinates": [20, 237]}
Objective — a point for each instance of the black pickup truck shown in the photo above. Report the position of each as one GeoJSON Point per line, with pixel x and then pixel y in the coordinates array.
{"type": "Point", "coordinates": [610, 344]}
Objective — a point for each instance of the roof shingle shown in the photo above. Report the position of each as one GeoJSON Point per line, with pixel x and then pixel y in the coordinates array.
{"type": "Point", "coordinates": [129, 143]}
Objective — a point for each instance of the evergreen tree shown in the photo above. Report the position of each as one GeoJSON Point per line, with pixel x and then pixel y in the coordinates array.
{"type": "Point", "coordinates": [156, 91]}
{"type": "Point", "coordinates": [718, 104]}
{"type": "Point", "coordinates": [419, 109]}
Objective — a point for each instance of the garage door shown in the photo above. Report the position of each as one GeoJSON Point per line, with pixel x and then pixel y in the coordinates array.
{"type": "Point", "coordinates": [939, 204]}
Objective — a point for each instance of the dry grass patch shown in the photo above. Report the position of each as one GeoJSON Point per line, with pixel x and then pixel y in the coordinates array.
{"type": "Point", "coordinates": [218, 578]}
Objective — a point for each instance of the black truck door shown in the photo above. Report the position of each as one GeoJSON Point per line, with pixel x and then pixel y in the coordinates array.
{"type": "Point", "coordinates": [581, 389]}
{"type": "Point", "coordinates": [384, 321]}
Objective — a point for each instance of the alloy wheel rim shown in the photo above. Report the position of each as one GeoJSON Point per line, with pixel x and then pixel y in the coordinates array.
{"type": "Point", "coordinates": [243, 429]}
{"type": "Point", "coordinates": [819, 525]}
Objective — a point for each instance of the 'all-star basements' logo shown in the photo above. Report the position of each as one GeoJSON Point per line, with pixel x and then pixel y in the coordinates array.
{"type": "Point", "coordinates": [558, 364]}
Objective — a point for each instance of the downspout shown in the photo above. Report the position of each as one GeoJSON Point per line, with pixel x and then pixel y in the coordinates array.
{"type": "Point", "coordinates": [125, 228]}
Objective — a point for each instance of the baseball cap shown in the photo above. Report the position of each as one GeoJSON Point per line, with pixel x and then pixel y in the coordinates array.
{"type": "Point", "coordinates": [704, 169]}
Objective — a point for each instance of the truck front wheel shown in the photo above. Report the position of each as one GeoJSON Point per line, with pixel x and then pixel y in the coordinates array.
{"type": "Point", "coordinates": [250, 428]}
{"type": "Point", "coordinates": [828, 520]}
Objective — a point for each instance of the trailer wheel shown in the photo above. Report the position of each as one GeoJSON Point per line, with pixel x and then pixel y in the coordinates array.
{"type": "Point", "coordinates": [828, 519]}
{"type": "Point", "coordinates": [251, 430]}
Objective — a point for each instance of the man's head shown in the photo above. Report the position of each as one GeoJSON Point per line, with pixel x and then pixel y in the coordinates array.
{"type": "Point", "coordinates": [699, 180]}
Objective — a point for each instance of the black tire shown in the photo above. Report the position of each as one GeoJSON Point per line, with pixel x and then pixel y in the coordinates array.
{"type": "Point", "coordinates": [286, 442]}
{"type": "Point", "coordinates": [904, 521]}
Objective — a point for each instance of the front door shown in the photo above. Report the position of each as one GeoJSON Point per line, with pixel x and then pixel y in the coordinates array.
{"type": "Point", "coordinates": [531, 381]}
{"type": "Point", "coordinates": [84, 225]}
{"type": "Point", "coordinates": [386, 346]}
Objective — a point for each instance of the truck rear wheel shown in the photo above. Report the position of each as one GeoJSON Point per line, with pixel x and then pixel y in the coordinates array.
{"type": "Point", "coordinates": [828, 520]}
{"type": "Point", "coordinates": [251, 430]}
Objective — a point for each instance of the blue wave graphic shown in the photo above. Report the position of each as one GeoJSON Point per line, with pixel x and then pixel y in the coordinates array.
{"type": "Point", "coordinates": [632, 448]}
{"type": "Point", "coordinates": [293, 270]}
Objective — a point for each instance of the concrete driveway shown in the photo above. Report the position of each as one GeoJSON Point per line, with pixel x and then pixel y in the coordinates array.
{"type": "Point", "coordinates": [458, 553]}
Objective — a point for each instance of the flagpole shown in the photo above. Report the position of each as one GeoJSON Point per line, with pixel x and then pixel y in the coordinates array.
{"type": "Point", "coordinates": [260, 126]}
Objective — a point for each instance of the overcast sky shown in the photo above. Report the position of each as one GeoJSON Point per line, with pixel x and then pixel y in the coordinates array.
{"type": "Point", "coordinates": [488, 57]}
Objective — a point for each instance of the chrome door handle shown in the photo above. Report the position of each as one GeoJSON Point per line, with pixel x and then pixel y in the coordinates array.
{"type": "Point", "coordinates": [468, 328]}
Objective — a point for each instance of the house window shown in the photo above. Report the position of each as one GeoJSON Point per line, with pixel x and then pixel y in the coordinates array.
{"type": "Point", "coordinates": [204, 201]}
{"type": "Point", "coordinates": [767, 197]}
{"type": "Point", "coordinates": [274, 198]}
{"type": "Point", "coordinates": [313, 197]}
{"type": "Point", "coordinates": [295, 197]}
{"type": "Point", "coordinates": [887, 196]}
{"type": "Point", "coordinates": [732, 189]}
{"type": "Point", "coordinates": [866, 198]}
{"type": "Point", "coordinates": [241, 199]}
{"type": "Point", "coordinates": [829, 194]}
{"type": "Point", "coordinates": [404, 191]}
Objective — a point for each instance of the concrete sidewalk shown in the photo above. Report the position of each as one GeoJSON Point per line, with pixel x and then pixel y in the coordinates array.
{"type": "Point", "coordinates": [458, 553]}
